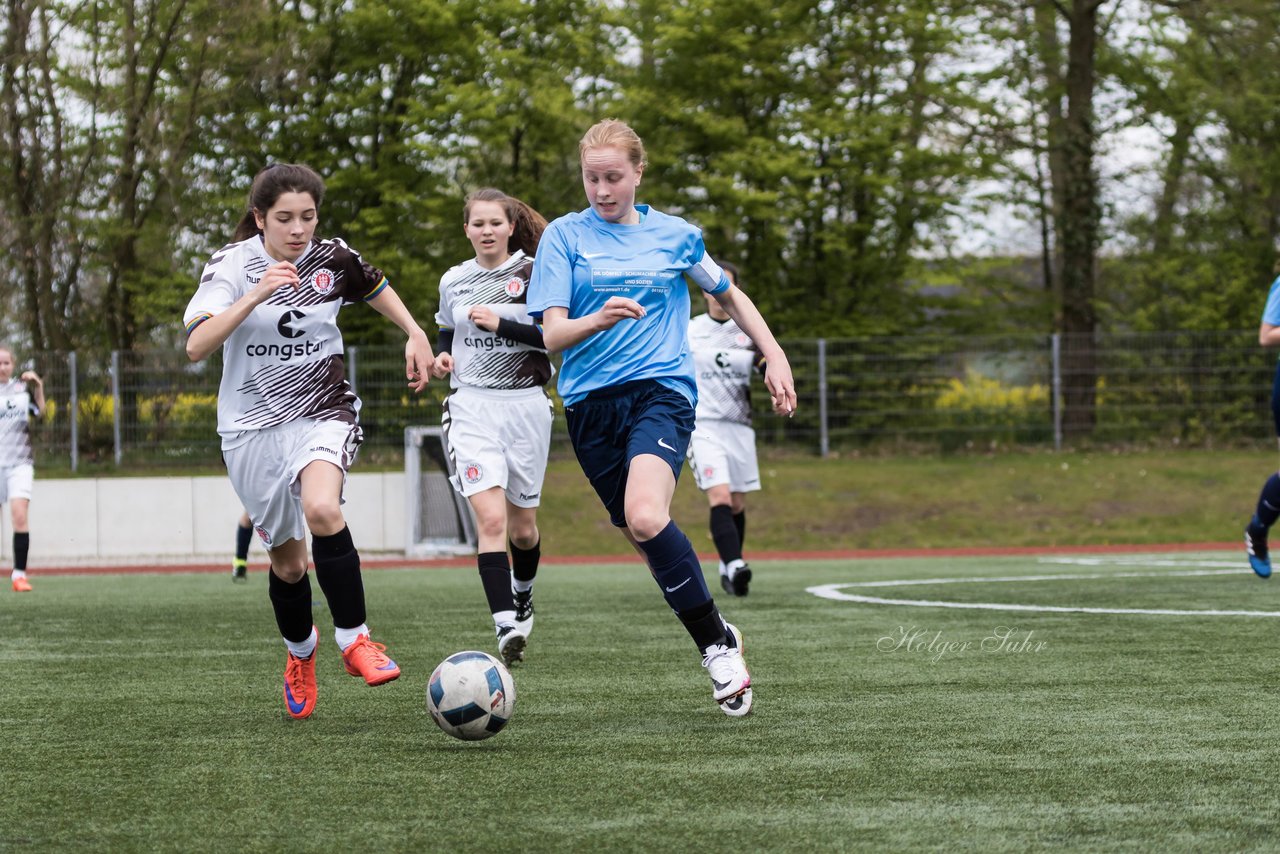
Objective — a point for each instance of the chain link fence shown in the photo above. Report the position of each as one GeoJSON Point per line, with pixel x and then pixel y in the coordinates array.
{"type": "Point", "coordinates": [155, 409]}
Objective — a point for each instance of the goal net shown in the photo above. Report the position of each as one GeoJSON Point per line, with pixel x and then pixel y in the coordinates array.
{"type": "Point", "coordinates": [440, 520]}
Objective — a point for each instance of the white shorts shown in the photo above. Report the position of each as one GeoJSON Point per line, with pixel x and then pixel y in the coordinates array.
{"type": "Point", "coordinates": [499, 437]}
{"type": "Point", "coordinates": [724, 452]}
{"type": "Point", "coordinates": [264, 472]}
{"type": "Point", "coordinates": [15, 482]}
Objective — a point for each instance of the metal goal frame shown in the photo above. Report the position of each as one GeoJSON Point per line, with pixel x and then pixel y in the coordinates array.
{"type": "Point", "coordinates": [439, 527]}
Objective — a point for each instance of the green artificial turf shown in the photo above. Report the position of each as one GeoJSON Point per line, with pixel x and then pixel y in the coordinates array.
{"type": "Point", "coordinates": [145, 713]}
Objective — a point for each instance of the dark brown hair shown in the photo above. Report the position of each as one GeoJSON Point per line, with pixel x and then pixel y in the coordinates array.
{"type": "Point", "coordinates": [527, 224]}
{"type": "Point", "coordinates": [269, 185]}
{"type": "Point", "coordinates": [732, 270]}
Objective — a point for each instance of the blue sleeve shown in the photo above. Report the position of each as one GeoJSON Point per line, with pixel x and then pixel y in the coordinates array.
{"type": "Point", "coordinates": [1271, 314]}
{"type": "Point", "coordinates": [551, 283]}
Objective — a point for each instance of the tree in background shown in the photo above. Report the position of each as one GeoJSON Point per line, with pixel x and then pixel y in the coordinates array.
{"type": "Point", "coordinates": [814, 144]}
{"type": "Point", "coordinates": [1200, 255]}
{"type": "Point", "coordinates": [834, 149]}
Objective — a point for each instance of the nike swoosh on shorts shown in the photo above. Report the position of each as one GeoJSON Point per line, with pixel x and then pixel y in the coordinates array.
{"type": "Point", "coordinates": [662, 444]}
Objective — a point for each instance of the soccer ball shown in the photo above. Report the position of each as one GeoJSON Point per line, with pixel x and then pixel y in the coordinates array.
{"type": "Point", "coordinates": [471, 695]}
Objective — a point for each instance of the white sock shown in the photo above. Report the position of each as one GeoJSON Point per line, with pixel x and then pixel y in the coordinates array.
{"type": "Point", "coordinates": [724, 570]}
{"type": "Point", "coordinates": [521, 586]}
{"type": "Point", "coordinates": [504, 618]}
{"type": "Point", "coordinates": [733, 567]}
{"type": "Point", "coordinates": [346, 637]}
{"type": "Point", "coordinates": [19, 573]}
{"type": "Point", "coordinates": [306, 648]}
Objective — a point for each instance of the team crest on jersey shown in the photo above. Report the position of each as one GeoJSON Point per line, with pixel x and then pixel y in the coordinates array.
{"type": "Point", "coordinates": [263, 535]}
{"type": "Point", "coordinates": [471, 471]}
{"type": "Point", "coordinates": [515, 286]}
{"type": "Point", "coordinates": [322, 281]}
{"type": "Point", "coordinates": [741, 339]}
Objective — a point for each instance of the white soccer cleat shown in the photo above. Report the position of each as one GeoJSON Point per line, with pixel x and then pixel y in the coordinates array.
{"type": "Point", "coordinates": [730, 680]}
{"type": "Point", "coordinates": [511, 644]}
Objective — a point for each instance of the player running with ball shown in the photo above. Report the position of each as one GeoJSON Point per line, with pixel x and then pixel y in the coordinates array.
{"type": "Point", "coordinates": [609, 284]}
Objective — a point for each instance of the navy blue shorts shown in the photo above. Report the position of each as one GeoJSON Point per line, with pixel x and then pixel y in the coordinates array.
{"type": "Point", "coordinates": [1275, 399]}
{"type": "Point", "coordinates": [611, 426]}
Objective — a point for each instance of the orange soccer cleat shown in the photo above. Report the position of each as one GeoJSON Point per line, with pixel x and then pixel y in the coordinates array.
{"type": "Point", "coordinates": [368, 659]}
{"type": "Point", "coordinates": [300, 685]}
{"type": "Point", "coordinates": [21, 585]}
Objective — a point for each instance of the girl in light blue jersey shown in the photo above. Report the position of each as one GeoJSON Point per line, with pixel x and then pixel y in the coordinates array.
{"type": "Point", "coordinates": [609, 286]}
{"type": "Point", "coordinates": [1268, 509]}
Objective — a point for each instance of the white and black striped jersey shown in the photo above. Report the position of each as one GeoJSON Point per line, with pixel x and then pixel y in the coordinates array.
{"type": "Point", "coordinates": [16, 407]}
{"type": "Point", "coordinates": [481, 358]}
{"type": "Point", "coordinates": [723, 358]}
{"type": "Point", "coordinates": [285, 360]}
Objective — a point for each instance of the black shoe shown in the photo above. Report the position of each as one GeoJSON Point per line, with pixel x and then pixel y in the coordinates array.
{"type": "Point", "coordinates": [239, 570]}
{"type": "Point", "coordinates": [741, 579]}
{"type": "Point", "coordinates": [524, 609]}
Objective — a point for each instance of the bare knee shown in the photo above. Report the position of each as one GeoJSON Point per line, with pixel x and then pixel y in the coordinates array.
{"type": "Point", "coordinates": [288, 570]}
{"type": "Point", "coordinates": [646, 522]}
{"type": "Point", "coordinates": [491, 526]}
{"type": "Point", "coordinates": [524, 536]}
{"type": "Point", "coordinates": [324, 516]}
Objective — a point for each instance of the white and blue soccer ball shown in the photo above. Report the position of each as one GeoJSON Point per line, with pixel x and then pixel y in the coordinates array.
{"type": "Point", "coordinates": [471, 695]}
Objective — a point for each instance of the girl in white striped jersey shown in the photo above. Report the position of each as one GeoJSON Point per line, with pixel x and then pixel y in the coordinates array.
{"type": "Point", "coordinates": [20, 400]}
{"type": "Point", "coordinates": [286, 413]}
{"type": "Point", "coordinates": [497, 419]}
{"type": "Point", "coordinates": [722, 449]}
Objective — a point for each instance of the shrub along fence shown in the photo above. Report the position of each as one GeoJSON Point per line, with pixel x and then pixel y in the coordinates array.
{"type": "Point", "coordinates": [155, 408]}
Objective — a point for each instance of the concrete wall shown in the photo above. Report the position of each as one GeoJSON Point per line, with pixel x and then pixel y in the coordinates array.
{"type": "Point", "coordinates": [180, 517]}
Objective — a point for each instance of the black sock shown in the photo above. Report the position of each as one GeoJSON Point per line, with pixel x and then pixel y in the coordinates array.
{"type": "Point", "coordinates": [495, 575]}
{"type": "Point", "coordinates": [21, 543]}
{"type": "Point", "coordinates": [704, 625]}
{"type": "Point", "coordinates": [243, 536]}
{"type": "Point", "coordinates": [524, 562]}
{"type": "Point", "coordinates": [725, 534]}
{"type": "Point", "coordinates": [338, 572]}
{"type": "Point", "coordinates": [1269, 502]}
{"type": "Point", "coordinates": [292, 604]}
{"type": "Point", "coordinates": [740, 521]}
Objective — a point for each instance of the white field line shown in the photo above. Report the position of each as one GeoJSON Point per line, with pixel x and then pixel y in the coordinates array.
{"type": "Point", "coordinates": [836, 591]}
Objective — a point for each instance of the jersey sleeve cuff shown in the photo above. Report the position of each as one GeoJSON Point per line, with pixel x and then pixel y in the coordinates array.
{"type": "Point", "coordinates": [382, 286]}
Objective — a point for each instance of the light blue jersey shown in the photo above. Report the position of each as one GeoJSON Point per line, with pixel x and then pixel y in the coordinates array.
{"type": "Point", "coordinates": [583, 260]}
{"type": "Point", "coordinates": [1271, 314]}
